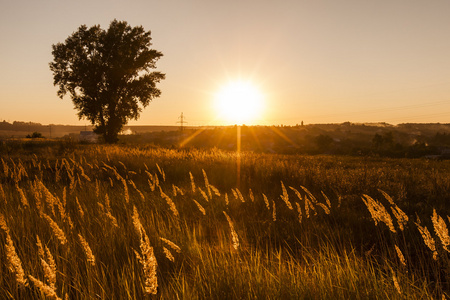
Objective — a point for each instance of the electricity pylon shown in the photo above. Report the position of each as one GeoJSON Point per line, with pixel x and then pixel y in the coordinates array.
{"type": "Point", "coordinates": [182, 121]}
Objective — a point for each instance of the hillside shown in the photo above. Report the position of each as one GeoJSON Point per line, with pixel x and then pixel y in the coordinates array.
{"type": "Point", "coordinates": [402, 140]}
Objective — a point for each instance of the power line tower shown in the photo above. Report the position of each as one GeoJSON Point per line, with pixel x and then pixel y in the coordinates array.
{"type": "Point", "coordinates": [182, 121]}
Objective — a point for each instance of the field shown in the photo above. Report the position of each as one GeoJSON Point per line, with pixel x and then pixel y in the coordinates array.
{"type": "Point", "coordinates": [122, 222]}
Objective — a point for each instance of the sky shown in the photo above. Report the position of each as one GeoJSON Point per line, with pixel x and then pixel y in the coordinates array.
{"type": "Point", "coordinates": [321, 61]}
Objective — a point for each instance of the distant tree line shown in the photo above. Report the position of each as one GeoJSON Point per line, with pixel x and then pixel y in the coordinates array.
{"type": "Point", "coordinates": [307, 140]}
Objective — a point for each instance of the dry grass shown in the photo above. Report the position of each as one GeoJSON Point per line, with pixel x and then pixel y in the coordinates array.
{"type": "Point", "coordinates": [101, 222]}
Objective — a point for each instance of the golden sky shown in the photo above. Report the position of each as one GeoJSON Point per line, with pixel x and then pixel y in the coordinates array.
{"type": "Point", "coordinates": [321, 61]}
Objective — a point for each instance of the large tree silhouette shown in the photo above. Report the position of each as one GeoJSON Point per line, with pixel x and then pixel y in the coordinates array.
{"type": "Point", "coordinates": [107, 74]}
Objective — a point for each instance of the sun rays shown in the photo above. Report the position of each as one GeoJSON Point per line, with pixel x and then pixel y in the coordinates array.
{"type": "Point", "coordinates": [239, 102]}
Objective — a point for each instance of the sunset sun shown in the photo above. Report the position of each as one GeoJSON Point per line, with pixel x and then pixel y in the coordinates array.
{"type": "Point", "coordinates": [239, 102]}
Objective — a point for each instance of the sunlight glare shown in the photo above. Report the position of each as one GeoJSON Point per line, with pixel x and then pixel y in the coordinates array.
{"type": "Point", "coordinates": [239, 102]}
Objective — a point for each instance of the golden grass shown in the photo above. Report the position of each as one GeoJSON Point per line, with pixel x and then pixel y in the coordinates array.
{"type": "Point", "coordinates": [57, 231]}
{"type": "Point", "coordinates": [171, 244]}
{"type": "Point", "coordinates": [168, 254]}
{"type": "Point", "coordinates": [47, 263]}
{"type": "Point", "coordinates": [2, 194]}
{"type": "Point", "coordinates": [87, 250]}
{"type": "Point", "coordinates": [400, 256]}
{"type": "Point", "coordinates": [285, 196]}
{"type": "Point", "coordinates": [200, 207]}
{"type": "Point", "coordinates": [171, 204]}
{"type": "Point", "coordinates": [146, 257]}
{"type": "Point", "coordinates": [397, 286]}
{"type": "Point", "coordinates": [96, 219]}
{"type": "Point", "coordinates": [441, 230]}
{"type": "Point", "coordinates": [274, 211]}
{"type": "Point", "coordinates": [234, 236]}
{"type": "Point", "coordinates": [23, 199]}
{"type": "Point", "coordinates": [203, 194]}
{"type": "Point", "coordinates": [14, 262]}
{"type": "Point", "coordinates": [266, 201]}
{"type": "Point", "coordinates": [192, 182]}
{"type": "Point", "coordinates": [378, 212]}
{"type": "Point", "coordinates": [428, 239]}
{"type": "Point", "coordinates": [47, 290]}
{"type": "Point", "coordinates": [299, 210]}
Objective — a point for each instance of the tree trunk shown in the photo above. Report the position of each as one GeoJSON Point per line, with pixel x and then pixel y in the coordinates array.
{"type": "Point", "coordinates": [111, 137]}
{"type": "Point", "coordinates": [112, 128]}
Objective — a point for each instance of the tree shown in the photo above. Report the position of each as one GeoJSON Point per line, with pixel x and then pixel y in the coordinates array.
{"type": "Point", "coordinates": [107, 74]}
{"type": "Point", "coordinates": [35, 135]}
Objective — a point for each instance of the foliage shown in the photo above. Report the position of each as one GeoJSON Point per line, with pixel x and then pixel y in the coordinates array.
{"type": "Point", "coordinates": [107, 73]}
{"type": "Point", "coordinates": [35, 135]}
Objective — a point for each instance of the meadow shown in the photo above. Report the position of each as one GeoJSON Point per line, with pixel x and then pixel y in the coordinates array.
{"type": "Point", "coordinates": [137, 222]}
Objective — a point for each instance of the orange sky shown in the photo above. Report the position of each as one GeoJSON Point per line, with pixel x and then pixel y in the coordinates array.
{"type": "Point", "coordinates": [316, 61]}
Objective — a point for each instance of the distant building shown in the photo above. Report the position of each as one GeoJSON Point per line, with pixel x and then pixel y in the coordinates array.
{"type": "Point", "coordinates": [88, 137]}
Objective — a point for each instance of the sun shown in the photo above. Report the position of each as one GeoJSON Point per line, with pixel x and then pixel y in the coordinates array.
{"type": "Point", "coordinates": [239, 102]}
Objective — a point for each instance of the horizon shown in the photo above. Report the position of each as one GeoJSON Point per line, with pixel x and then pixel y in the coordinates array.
{"type": "Point", "coordinates": [32, 123]}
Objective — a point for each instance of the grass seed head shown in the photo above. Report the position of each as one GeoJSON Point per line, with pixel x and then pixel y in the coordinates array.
{"type": "Point", "coordinates": [397, 286]}
{"type": "Point", "coordinates": [239, 194]}
{"type": "Point", "coordinates": [400, 256]}
{"type": "Point", "coordinates": [171, 204]}
{"type": "Point", "coordinates": [2, 194]}
{"type": "Point", "coordinates": [161, 171]}
{"type": "Point", "coordinates": [47, 290]}
{"type": "Point", "coordinates": [200, 207]}
{"type": "Point", "coordinates": [208, 188]}
{"type": "Point", "coordinates": [400, 216]}
{"type": "Point", "coordinates": [57, 231]}
{"type": "Point", "coordinates": [80, 209]}
{"type": "Point", "coordinates": [324, 207]}
{"type": "Point", "coordinates": [388, 198]}
{"type": "Point", "coordinates": [171, 244]}
{"type": "Point", "coordinates": [3, 224]}
{"type": "Point", "coordinates": [14, 262]}
{"type": "Point", "coordinates": [125, 191]}
{"type": "Point", "coordinates": [235, 195]}
{"type": "Point", "coordinates": [192, 182]}
{"type": "Point", "coordinates": [311, 196]}
{"type": "Point", "coordinates": [149, 264]}
{"type": "Point", "coordinates": [327, 200]}
{"type": "Point", "coordinates": [378, 212]}
{"type": "Point", "coordinates": [251, 196]}
{"type": "Point", "coordinates": [168, 254]}
{"type": "Point", "coordinates": [441, 230]}
{"type": "Point", "coordinates": [285, 196]}
{"type": "Point", "coordinates": [47, 263]}
{"type": "Point", "coordinates": [266, 201]}
{"type": "Point", "coordinates": [87, 250]}
{"type": "Point", "coordinates": [428, 239]}
{"type": "Point", "coordinates": [136, 222]}
{"type": "Point", "coordinates": [214, 190]}
{"type": "Point", "coordinates": [299, 210]}
{"type": "Point", "coordinates": [23, 199]}
{"type": "Point", "coordinates": [274, 211]}
{"type": "Point", "coordinates": [203, 194]}
{"type": "Point", "coordinates": [234, 236]}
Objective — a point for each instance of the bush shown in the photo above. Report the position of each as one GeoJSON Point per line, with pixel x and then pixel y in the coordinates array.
{"type": "Point", "coordinates": [35, 135]}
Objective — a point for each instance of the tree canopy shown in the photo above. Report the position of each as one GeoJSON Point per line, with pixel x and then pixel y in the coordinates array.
{"type": "Point", "coordinates": [107, 74]}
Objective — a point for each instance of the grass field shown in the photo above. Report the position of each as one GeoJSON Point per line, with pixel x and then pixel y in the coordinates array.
{"type": "Point", "coordinates": [121, 222]}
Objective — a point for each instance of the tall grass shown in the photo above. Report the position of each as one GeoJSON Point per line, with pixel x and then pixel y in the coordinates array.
{"type": "Point", "coordinates": [119, 222]}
